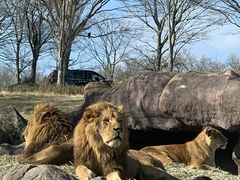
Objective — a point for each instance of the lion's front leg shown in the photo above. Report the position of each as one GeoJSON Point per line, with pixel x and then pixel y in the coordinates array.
{"type": "Point", "coordinates": [84, 173]}
{"type": "Point", "coordinates": [115, 175]}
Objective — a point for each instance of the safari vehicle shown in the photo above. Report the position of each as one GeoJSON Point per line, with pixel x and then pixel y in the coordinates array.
{"type": "Point", "coordinates": [78, 77]}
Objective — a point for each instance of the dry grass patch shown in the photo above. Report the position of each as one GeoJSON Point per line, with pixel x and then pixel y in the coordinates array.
{"type": "Point", "coordinates": [178, 170]}
{"type": "Point", "coordinates": [25, 102]}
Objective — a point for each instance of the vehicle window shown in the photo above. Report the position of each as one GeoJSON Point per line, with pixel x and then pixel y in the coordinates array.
{"type": "Point", "coordinates": [70, 75]}
{"type": "Point", "coordinates": [80, 75]}
{"type": "Point", "coordinates": [96, 77]}
{"type": "Point", "coordinates": [89, 76]}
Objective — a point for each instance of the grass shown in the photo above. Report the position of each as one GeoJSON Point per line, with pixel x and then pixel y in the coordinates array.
{"type": "Point", "coordinates": [25, 102]}
{"type": "Point", "coordinates": [178, 170]}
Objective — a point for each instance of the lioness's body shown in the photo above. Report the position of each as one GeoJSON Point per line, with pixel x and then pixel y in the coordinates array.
{"type": "Point", "coordinates": [199, 152]}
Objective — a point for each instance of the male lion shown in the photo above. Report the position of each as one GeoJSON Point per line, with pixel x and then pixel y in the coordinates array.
{"type": "Point", "coordinates": [199, 153]}
{"type": "Point", "coordinates": [48, 136]}
{"type": "Point", "coordinates": [101, 147]}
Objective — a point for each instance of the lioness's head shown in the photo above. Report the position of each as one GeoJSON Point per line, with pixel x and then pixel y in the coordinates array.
{"type": "Point", "coordinates": [214, 137]}
{"type": "Point", "coordinates": [108, 123]}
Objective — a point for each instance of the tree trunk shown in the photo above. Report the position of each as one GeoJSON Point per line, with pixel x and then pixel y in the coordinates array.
{"type": "Point", "coordinates": [18, 71]}
{"type": "Point", "coordinates": [159, 52]}
{"type": "Point", "coordinates": [32, 78]}
{"type": "Point", "coordinates": [171, 56]}
{"type": "Point", "coordinates": [63, 62]}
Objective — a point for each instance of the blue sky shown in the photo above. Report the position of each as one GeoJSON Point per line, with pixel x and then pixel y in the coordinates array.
{"type": "Point", "coordinates": [222, 43]}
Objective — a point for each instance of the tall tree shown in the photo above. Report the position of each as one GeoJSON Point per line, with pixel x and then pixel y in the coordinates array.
{"type": "Point", "coordinates": [37, 34]}
{"type": "Point", "coordinates": [152, 13]}
{"type": "Point", "coordinates": [176, 23]}
{"type": "Point", "coordinates": [14, 10]}
{"type": "Point", "coordinates": [67, 20]}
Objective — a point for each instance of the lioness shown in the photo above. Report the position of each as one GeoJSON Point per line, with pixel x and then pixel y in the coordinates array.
{"type": "Point", "coordinates": [199, 153]}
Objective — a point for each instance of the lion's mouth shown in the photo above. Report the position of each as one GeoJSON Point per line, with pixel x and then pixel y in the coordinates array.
{"type": "Point", "coordinates": [114, 139]}
{"type": "Point", "coordinates": [223, 146]}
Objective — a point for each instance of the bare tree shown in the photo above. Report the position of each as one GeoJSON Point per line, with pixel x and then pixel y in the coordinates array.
{"type": "Point", "coordinates": [152, 14]}
{"type": "Point", "coordinates": [37, 34]}
{"type": "Point", "coordinates": [67, 20]}
{"type": "Point", "coordinates": [5, 22]}
{"type": "Point", "coordinates": [230, 9]}
{"type": "Point", "coordinates": [187, 22]}
{"type": "Point", "coordinates": [185, 62]}
{"type": "Point", "coordinates": [234, 63]}
{"type": "Point", "coordinates": [6, 74]}
{"type": "Point", "coordinates": [176, 23]}
{"type": "Point", "coordinates": [14, 11]}
{"type": "Point", "coordinates": [111, 46]}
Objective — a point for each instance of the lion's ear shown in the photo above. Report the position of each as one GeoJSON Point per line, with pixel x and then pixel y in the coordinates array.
{"type": "Point", "coordinates": [209, 131]}
{"type": "Point", "coordinates": [120, 108]}
{"type": "Point", "coordinates": [89, 114]}
{"type": "Point", "coordinates": [42, 118]}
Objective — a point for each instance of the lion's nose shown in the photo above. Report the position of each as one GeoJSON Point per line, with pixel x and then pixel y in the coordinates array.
{"type": "Point", "coordinates": [118, 129]}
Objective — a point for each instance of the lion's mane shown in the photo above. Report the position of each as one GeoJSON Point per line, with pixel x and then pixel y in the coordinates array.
{"type": "Point", "coordinates": [89, 148]}
{"type": "Point", "coordinates": [47, 126]}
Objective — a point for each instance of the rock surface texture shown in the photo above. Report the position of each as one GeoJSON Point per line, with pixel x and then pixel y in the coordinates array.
{"type": "Point", "coordinates": [181, 103]}
{"type": "Point", "coordinates": [31, 172]}
{"type": "Point", "coordinates": [12, 125]}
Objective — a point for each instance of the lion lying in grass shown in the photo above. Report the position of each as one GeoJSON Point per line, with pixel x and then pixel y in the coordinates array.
{"type": "Point", "coordinates": [199, 153]}
{"type": "Point", "coordinates": [100, 143]}
{"type": "Point", "coordinates": [48, 137]}
{"type": "Point", "coordinates": [101, 147]}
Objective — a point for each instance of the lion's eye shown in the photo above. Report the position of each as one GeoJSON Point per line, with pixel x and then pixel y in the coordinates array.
{"type": "Point", "coordinates": [106, 120]}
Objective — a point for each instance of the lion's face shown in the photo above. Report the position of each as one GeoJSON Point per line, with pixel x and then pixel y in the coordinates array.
{"type": "Point", "coordinates": [109, 124]}
{"type": "Point", "coordinates": [215, 138]}
{"type": "Point", "coordinates": [111, 127]}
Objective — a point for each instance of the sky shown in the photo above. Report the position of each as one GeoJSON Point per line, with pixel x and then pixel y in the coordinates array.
{"type": "Point", "coordinates": [222, 43]}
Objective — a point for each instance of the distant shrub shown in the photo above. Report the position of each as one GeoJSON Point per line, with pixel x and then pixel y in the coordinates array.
{"type": "Point", "coordinates": [44, 88]}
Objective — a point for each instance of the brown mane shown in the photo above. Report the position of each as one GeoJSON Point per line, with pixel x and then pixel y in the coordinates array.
{"type": "Point", "coordinates": [47, 126]}
{"type": "Point", "coordinates": [91, 151]}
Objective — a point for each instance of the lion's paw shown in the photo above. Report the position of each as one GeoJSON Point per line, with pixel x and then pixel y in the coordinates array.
{"type": "Point", "coordinates": [113, 176]}
{"type": "Point", "coordinates": [84, 173]}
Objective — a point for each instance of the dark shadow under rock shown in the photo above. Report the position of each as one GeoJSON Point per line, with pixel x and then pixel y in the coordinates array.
{"type": "Point", "coordinates": [11, 149]}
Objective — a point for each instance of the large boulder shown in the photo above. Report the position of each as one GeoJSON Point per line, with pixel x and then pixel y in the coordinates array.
{"type": "Point", "coordinates": [140, 96]}
{"type": "Point", "coordinates": [184, 102]}
{"type": "Point", "coordinates": [12, 125]}
{"type": "Point", "coordinates": [195, 100]}
{"type": "Point", "coordinates": [32, 172]}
